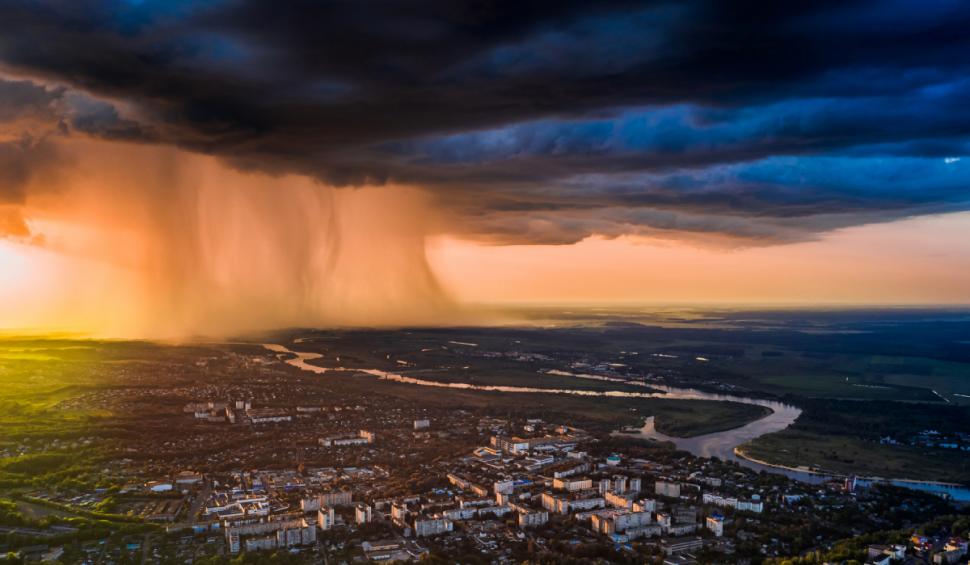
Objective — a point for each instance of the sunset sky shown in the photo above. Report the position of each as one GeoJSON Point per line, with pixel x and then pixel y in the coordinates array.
{"type": "Point", "coordinates": [179, 167]}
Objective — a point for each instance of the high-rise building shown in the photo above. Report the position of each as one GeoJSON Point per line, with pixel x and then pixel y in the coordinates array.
{"type": "Point", "coordinates": [504, 487]}
{"type": "Point", "coordinates": [715, 523]}
{"type": "Point", "coordinates": [619, 482]}
{"type": "Point", "coordinates": [399, 513]}
{"type": "Point", "coordinates": [325, 518]}
{"type": "Point", "coordinates": [664, 488]}
{"type": "Point", "coordinates": [533, 518]}
{"type": "Point", "coordinates": [364, 514]}
{"type": "Point", "coordinates": [645, 505]}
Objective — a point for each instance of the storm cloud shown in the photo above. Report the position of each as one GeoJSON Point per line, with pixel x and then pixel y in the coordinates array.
{"type": "Point", "coordinates": [529, 121]}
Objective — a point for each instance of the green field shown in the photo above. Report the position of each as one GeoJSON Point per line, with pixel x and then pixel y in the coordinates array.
{"type": "Point", "coordinates": [681, 418]}
{"type": "Point", "coordinates": [42, 442]}
{"type": "Point", "coordinates": [512, 375]}
{"type": "Point", "coordinates": [694, 418]}
{"type": "Point", "coordinates": [854, 387]}
{"type": "Point", "coordinates": [804, 364]}
{"type": "Point", "coordinates": [848, 455]}
{"type": "Point", "coordinates": [33, 511]}
{"type": "Point", "coordinates": [862, 377]}
{"type": "Point", "coordinates": [845, 436]}
{"type": "Point", "coordinates": [25, 356]}
{"type": "Point", "coordinates": [951, 380]}
{"type": "Point", "coordinates": [42, 381]}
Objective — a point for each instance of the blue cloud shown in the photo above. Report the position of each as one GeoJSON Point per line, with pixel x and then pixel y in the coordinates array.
{"type": "Point", "coordinates": [763, 120]}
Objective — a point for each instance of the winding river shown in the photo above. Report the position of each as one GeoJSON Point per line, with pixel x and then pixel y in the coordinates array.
{"type": "Point", "coordinates": [723, 445]}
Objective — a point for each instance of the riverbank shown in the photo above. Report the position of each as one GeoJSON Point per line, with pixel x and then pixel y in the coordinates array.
{"type": "Point", "coordinates": [722, 443]}
{"type": "Point", "coordinates": [845, 454]}
{"type": "Point", "coordinates": [705, 413]}
{"type": "Point", "coordinates": [683, 427]}
{"type": "Point", "coordinates": [957, 491]}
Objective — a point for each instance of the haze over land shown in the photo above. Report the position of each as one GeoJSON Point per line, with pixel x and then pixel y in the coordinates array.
{"type": "Point", "coordinates": [180, 168]}
{"type": "Point", "coordinates": [484, 281]}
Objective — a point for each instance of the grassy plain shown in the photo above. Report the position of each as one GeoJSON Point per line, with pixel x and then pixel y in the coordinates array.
{"type": "Point", "coordinates": [844, 436]}
{"type": "Point", "coordinates": [679, 418]}
{"type": "Point", "coordinates": [49, 435]}
{"type": "Point", "coordinates": [911, 359]}
{"type": "Point", "coordinates": [44, 419]}
{"type": "Point", "coordinates": [838, 386]}
{"type": "Point", "coordinates": [850, 455]}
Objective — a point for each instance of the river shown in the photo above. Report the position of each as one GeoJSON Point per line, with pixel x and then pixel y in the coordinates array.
{"type": "Point", "coordinates": [723, 445]}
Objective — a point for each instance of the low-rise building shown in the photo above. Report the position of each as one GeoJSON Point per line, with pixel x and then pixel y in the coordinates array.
{"type": "Point", "coordinates": [267, 415]}
{"type": "Point", "coordinates": [459, 514]}
{"type": "Point", "coordinates": [159, 486]}
{"type": "Point", "coordinates": [424, 527]}
{"type": "Point", "coordinates": [362, 437]}
{"type": "Point", "coordinates": [617, 500]}
{"type": "Point", "coordinates": [754, 505]}
{"type": "Point", "coordinates": [504, 487]}
{"type": "Point", "coordinates": [672, 546]}
{"type": "Point", "coordinates": [581, 504]}
{"type": "Point", "coordinates": [617, 521]}
{"type": "Point", "coordinates": [572, 485]}
{"type": "Point", "coordinates": [335, 498]}
{"type": "Point", "coordinates": [188, 478]}
{"type": "Point", "coordinates": [392, 551]}
{"type": "Point", "coordinates": [680, 529]}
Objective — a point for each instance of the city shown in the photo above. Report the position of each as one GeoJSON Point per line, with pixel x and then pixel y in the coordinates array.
{"type": "Point", "coordinates": [221, 452]}
{"type": "Point", "coordinates": [485, 282]}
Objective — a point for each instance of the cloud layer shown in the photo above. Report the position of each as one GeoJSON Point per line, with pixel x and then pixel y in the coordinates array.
{"type": "Point", "coordinates": [530, 121]}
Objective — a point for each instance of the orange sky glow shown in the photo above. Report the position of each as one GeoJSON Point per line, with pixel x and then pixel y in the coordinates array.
{"type": "Point", "coordinates": [173, 170]}
{"type": "Point", "coordinates": [918, 261]}
{"type": "Point", "coordinates": [145, 241]}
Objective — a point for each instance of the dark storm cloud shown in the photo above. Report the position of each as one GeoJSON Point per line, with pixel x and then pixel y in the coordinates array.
{"type": "Point", "coordinates": [20, 160]}
{"type": "Point", "coordinates": [23, 100]}
{"type": "Point", "coordinates": [32, 117]}
{"type": "Point", "coordinates": [28, 113]}
{"type": "Point", "coordinates": [543, 121]}
{"type": "Point", "coordinates": [101, 119]}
